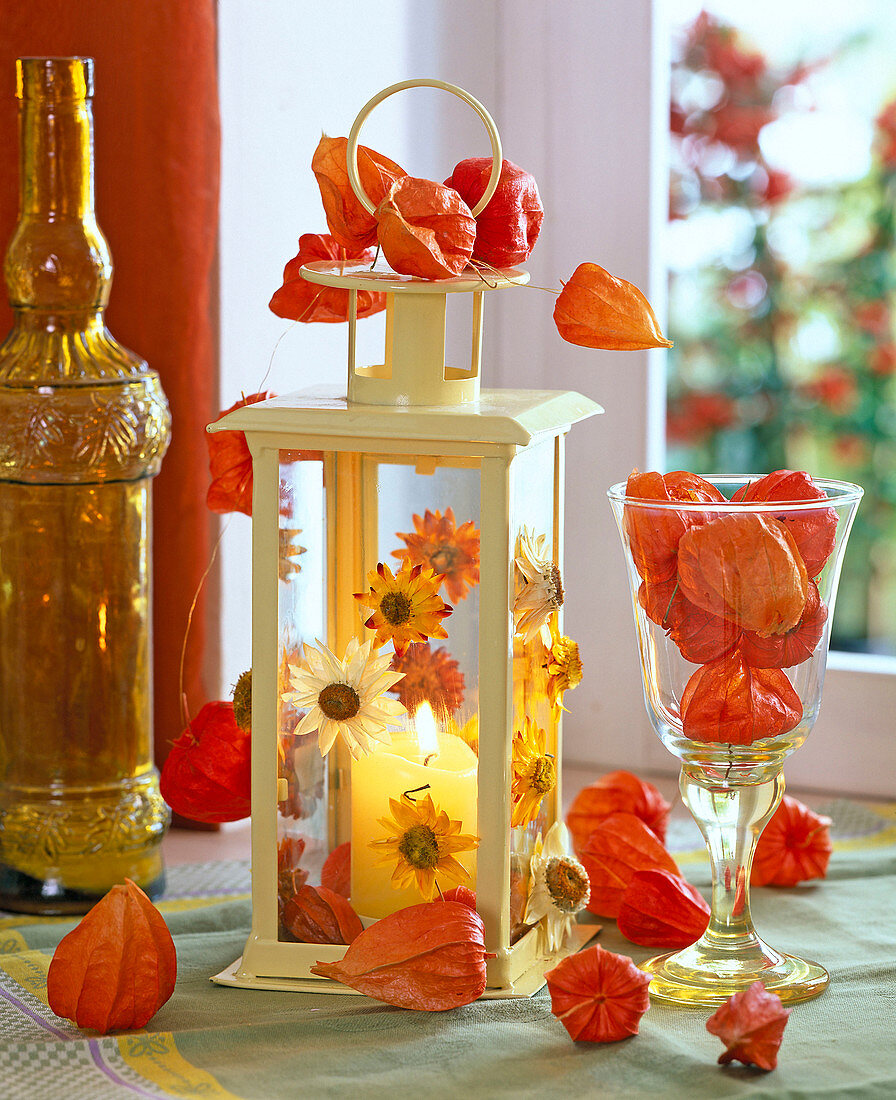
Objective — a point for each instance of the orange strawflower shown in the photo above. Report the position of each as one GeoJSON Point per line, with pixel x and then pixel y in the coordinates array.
{"type": "Point", "coordinates": [406, 605]}
{"type": "Point", "coordinates": [430, 676]}
{"type": "Point", "coordinates": [422, 840]}
{"type": "Point", "coordinates": [451, 552]}
{"type": "Point", "coordinates": [564, 666]}
{"type": "Point", "coordinates": [534, 773]}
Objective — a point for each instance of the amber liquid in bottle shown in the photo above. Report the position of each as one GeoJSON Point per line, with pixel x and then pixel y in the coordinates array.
{"type": "Point", "coordinates": [84, 425]}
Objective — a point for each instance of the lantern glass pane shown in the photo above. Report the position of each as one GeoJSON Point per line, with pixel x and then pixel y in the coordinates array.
{"type": "Point", "coordinates": [432, 519]}
{"type": "Point", "coordinates": [422, 511]}
{"type": "Point", "coordinates": [303, 826]}
{"type": "Point", "coordinates": [533, 533]}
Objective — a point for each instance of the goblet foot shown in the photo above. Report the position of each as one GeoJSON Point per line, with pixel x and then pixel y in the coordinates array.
{"type": "Point", "coordinates": [730, 956]}
{"type": "Point", "coordinates": [696, 976]}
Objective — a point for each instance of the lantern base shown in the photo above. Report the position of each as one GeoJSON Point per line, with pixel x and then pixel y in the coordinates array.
{"type": "Point", "coordinates": [527, 985]}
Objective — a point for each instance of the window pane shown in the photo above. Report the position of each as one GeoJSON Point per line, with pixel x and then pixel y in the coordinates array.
{"type": "Point", "coordinates": [781, 252]}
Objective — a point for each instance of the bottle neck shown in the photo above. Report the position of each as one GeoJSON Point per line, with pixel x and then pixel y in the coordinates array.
{"type": "Point", "coordinates": [58, 260]}
{"type": "Point", "coordinates": [56, 139]}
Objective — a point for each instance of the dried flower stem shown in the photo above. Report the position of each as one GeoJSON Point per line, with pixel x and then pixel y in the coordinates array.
{"type": "Point", "coordinates": [280, 338]}
{"type": "Point", "coordinates": [481, 266]}
{"type": "Point", "coordinates": [185, 713]}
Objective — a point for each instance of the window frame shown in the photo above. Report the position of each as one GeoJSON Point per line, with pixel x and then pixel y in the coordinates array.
{"type": "Point", "coordinates": [589, 54]}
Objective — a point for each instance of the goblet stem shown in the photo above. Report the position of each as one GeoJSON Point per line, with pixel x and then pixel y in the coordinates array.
{"type": "Point", "coordinates": [730, 956]}
{"type": "Point", "coordinates": [731, 819]}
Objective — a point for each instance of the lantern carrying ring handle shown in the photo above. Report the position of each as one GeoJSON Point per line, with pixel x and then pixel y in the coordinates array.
{"type": "Point", "coordinates": [351, 153]}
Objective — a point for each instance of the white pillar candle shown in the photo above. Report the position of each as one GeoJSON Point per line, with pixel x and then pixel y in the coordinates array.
{"type": "Point", "coordinates": [421, 757]}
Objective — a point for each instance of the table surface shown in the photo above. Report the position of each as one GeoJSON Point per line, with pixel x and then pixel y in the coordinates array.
{"type": "Point", "coordinates": [222, 1043]}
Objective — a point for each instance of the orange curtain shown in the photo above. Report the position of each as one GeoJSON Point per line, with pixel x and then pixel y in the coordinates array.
{"type": "Point", "coordinates": [157, 142]}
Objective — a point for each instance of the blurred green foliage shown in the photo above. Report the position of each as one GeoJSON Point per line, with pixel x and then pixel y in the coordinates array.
{"type": "Point", "coordinates": [782, 307]}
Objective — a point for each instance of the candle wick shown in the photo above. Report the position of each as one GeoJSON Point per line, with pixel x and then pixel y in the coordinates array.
{"type": "Point", "coordinates": [432, 756]}
{"type": "Point", "coordinates": [414, 790]}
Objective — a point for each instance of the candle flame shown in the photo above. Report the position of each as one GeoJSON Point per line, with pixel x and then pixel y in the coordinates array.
{"type": "Point", "coordinates": [425, 731]}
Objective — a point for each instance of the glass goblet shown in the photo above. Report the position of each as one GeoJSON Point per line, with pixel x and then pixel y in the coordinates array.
{"type": "Point", "coordinates": [733, 602]}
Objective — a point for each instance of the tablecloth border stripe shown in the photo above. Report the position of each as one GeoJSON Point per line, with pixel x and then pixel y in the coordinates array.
{"type": "Point", "coordinates": [104, 1067]}
{"type": "Point", "coordinates": [32, 1015]}
{"type": "Point", "coordinates": [170, 1070]}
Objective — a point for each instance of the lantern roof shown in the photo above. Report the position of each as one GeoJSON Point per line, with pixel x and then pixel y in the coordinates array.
{"type": "Point", "coordinates": [513, 417]}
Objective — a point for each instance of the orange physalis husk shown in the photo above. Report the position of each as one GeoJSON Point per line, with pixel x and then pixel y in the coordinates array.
{"type": "Point", "coordinates": [657, 597]}
{"type": "Point", "coordinates": [794, 846]}
{"type": "Point", "coordinates": [300, 300]}
{"type": "Point", "coordinates": [429, 957]}
{"type": "Point", "coordinates": [425, 229]}
{"type": "Point", "coordinates": [207, 774]}
{"type": "Point", "coordinates": [662, 910]}
{"type": "Point", "coordinates": [654, 533]}
{"type": "Point", "coordinates": [728, 702]}
{"type": "Point", "coordinates": [116, 969]}
{"type": "Point", "coordinates": [751, 1025]}
{"type": "Point", "coordinates": [745, 568]}
{"type": "Point", "coordinates": [230, 464]}
{"type": "Point", "coordinates": [318, 915]}
{"type": "Point", "coordinates": [691, 488]}
{"type": "Point", "coordinates": [597, 310]}
{"type": "Point", "coordinates": [452, 552]}
{"type": "Point", "coordinates": [506, 230]}
{"type": "Point", "coordinates": [814, 531]}
{"type": "Point", "coordinates": [347, 219]}
{"type": "Point", "coordinates": [616, 792]}
{"type": "Point", "coordinates": [796, 645]}
{"type": "Point", "coordinates": [463, 894]}
{"type": "Point", "coordinates": [699, 635]}
{"type": "Point", "coordinates": [619, 846]}
{"type": "Point", "coordinates": [336, 873]}
{"type": "Point", "coordinates": [598, 996]}
{"type": "Point", "coordinates": [290, 850]}
{"type": "Point", "coordinates": [740, 892]}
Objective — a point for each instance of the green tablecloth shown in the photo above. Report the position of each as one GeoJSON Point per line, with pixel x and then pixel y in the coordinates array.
{"type": "Point", "coordinates": [216, 1042]}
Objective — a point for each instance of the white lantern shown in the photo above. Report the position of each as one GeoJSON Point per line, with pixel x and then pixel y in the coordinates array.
{"type": "Point", "coordinates": [412, 465]}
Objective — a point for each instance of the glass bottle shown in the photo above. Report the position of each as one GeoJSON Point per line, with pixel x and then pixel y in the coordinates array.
{"type": "Point", "coordinates": [84, 425]}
